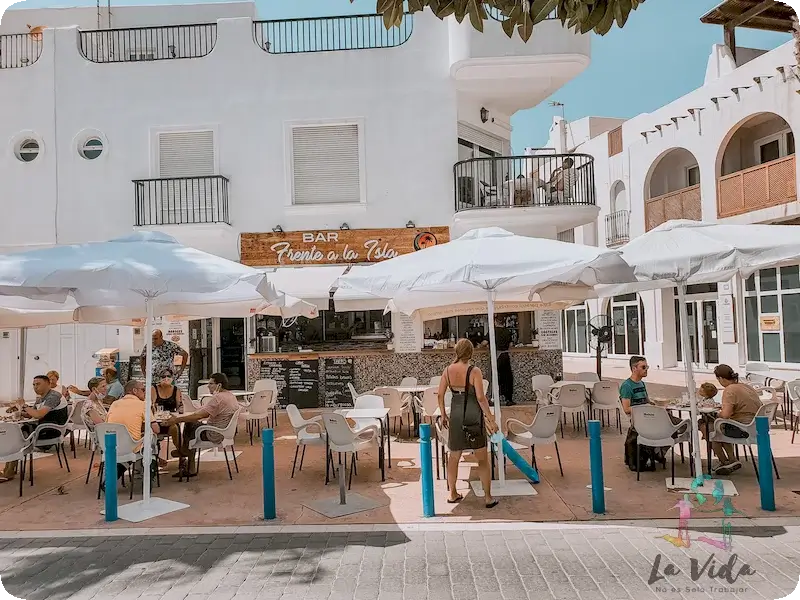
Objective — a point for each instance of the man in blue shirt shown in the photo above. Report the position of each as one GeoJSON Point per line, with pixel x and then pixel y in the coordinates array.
{"type": "Point", "coordinates": [633, 392]}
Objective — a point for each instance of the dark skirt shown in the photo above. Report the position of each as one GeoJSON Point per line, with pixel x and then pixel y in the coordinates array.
{"type": "Point", "coordinates": [457, 439]}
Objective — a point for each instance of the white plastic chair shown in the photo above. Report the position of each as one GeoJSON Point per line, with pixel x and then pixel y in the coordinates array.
{"type": "Point", "coordinates": [572, 399]}
{"type": "Point", "coordinates": [605, 398]}
{"type": "Point", "coordinates": [435, 380]}
{"type": "Point", "coordinates": [75, 423]}
{"type": "Point", "coordinates": [541, 385]}
{"type": "Point", "coordinates": [408, 382]}
{"type": "Point", "coordinates": [14, 446]}
{"type": "Point", "coordinates": [429, 403]}
{"type": "Point", "coordinates": [749, 429]}
{"type": "Point", "coordinates": [263, 404]}
{"type": "Point", "coordinates": [442, 437]}
{"type": "Point", "coordinates": [655, 429]}
{"type": "Point", "coordinates": [262, 385]}
{"type": "Point", "coordinates": [756, 372]}
{"type": "Point", "coordinates": [227, 441]}
{"type": "Point", "coordinates": [367, 401]}
{"type": "Point", "coordinates": [59, 442]}
{"type": "Point", "coordinates": [202, 391]}
{"type": "Point", "coordinates": [344, 440]}
{"type": "Point", "coordinates": [587, 376]}
{"type": "Point", "coordinates": [541, 431]}
{"type": "Point", "coordinates": [793, 398]}
{"type": "Point", "coordinates": [308, 432]}
{"type": "Point", "coordinates": [399, 406]}
{"type": "Point", "coordinates": [127, 454]}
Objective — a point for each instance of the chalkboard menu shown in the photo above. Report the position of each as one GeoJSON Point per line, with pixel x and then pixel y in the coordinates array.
{"type": "Point", "coordinates": [297, 381]}
{"type": "Point", "coordinates": [338, 373]}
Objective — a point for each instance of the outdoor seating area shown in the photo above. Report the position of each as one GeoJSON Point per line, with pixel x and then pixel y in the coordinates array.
{"type": "Point", "coordinates": [301, 462]}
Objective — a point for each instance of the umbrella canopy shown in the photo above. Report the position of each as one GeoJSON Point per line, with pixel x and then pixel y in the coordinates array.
{"type": "Point", "coordinates": [517, 268]}
{"type": "Point", "coordinates": [680, 253]}
{"type": "Point", "coordinates": [147, 270]}
{"type": "Point", "coordinates": [487, 266]}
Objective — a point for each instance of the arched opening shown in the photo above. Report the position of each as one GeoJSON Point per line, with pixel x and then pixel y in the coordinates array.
{"type": "Point", "coordinates": [672, 190]}
{"type": "Point", "coordinates": [618, 220]}
{"type": "Point", "coordinates": [756, 166]}
{"type": "Point", "coordinates": [575, 329]}
{"type": "Point", "coordinates": [627, 317]}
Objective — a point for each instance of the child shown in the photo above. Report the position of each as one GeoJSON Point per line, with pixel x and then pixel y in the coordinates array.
{"type": "Point", "coordinates": [707, 391]}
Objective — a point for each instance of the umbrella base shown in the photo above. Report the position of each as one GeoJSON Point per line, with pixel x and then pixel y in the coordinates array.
{"type": "Point", "coordinates": [684, 484]}
{"type": "Point", "coordinates": [139, 511]}
{"type": "Point", "coordinates": [510, 487]}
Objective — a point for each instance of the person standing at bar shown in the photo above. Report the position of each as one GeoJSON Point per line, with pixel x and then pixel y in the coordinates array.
{"type": "Point", "coordinates": [505, 376]}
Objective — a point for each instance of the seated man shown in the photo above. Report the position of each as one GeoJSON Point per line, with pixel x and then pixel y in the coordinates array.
{"type": "Point", "coordinates": [50, 407]}
{"type": "Point", "coordinates": [130, 412]}
{"type": "Point", "coordinates": [633, 392]}
{"type": "Point", "coordinates": [218, 410]}
{"type": "Point", "coordinates": [562, 180]}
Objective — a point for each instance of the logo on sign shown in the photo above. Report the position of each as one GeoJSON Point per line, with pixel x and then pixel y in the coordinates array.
{"type": "Point", "coordinates": [425, 239]}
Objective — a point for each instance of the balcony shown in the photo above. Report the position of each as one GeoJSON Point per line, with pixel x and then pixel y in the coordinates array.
{"type": "Point", "coordinates": [181, 201]}
{"type": "Point", "coordinates": [618, 228]}
{"type": "Point", "coordinates": [140, 44]}
{"type": "Point", "coordinates": [681, 204]}
{"type": "Point", "coordinates": [19, 50]}
{"type": "Point", "coordinates": [764, 186]}
{"type": "Point", "coordinates": [492, 69]}
{"type": "Point", "coordinates": [536, 195]}
{"type": "Point", "coordinates": [330, 34]}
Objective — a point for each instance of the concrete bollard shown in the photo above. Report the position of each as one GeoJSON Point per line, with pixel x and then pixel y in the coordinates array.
{"type": "Point", "coordinates": [765, 481]}
{"type": "Point", "coordinates": [268, 472]}
{"type": "Point", "coordinates": [428, 509]}
{"type": "Point", "coordinates": [596, 466]}
{"type": "Point", "coordinates": [111, 476]}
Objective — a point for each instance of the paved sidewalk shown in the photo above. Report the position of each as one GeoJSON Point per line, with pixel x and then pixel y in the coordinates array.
{"type": "Point", "coordinates": [531, 561]}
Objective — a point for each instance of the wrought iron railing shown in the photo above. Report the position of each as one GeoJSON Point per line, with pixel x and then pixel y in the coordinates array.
{"type": "Point", "coordinates": [496, 14]}
{"type": "Point", "coordinates": [167, 42]}
{"type": "Point", "coordinates": [181, 200]}
{"type": "Point", "coordinates": [328, 34]}
{"type": "Point", "coordinates": [19, 50]}
{"type": "Point", "coordinates": [518, 181]}
{"type": "Point", "coordinates": [618, 228]}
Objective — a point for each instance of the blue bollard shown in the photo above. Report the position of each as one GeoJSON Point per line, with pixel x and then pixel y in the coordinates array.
{"type": "Point", "coordinates": [596, 466]}
{"type": "Point", "coordinates": [268, 472]}
{"type": "Point", "coordinates": [765, 480]}
{"type": "Point", "coordinates": [111, 476]}
{"type": "Point", "coordinates": [427, 470]}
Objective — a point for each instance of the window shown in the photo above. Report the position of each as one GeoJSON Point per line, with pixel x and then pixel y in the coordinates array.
{"type": "Point", "coordinates": [141, 55]}
{"type": "Point", "coordinates": [28, 150]}
{"type": "Point", "coordinates": [774, 147]}
{"type": "Point", "coordinates": [326, 164]}
{"type": "Point", "coordinates": [692, 176]}
{"type": "Point", "coordinates": [186, 159]}
{"type": "Point", "coordinates": [91, 148]}
{"type": "Point", "coordinates": [186, 154]}
{"type": "Point", "coordinates": [627, 318]}
{"type": "Point", "coordinates": [567, 236]}
{"type": "Point", "coordinates": [574, 330]}
{"type": "Point", "coordinates": [772, 315]}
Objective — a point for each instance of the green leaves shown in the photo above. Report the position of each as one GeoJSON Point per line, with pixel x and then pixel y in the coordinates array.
{"type": "Point", "coordinates": [520, 16]}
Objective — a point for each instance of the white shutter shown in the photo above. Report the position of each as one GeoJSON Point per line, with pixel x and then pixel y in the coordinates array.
{"type": "Point", "coordinates": [567, 236]}
{"type": "Point", "coordinates": [186, 194]}
{"type": "Point", "coordinates": [482, 138]}
{"type": "Point", "coordinates": [326, 164]}
{"type": "Point", "coordinates": [186, 153]}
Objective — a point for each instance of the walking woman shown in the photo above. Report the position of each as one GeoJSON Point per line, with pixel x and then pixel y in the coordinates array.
{"type": "Point", "coordinates": [469, 421]}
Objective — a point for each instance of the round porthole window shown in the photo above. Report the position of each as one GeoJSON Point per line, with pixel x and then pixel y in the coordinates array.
{"type": "Point", "coordinates": [28, 150]}
{"type": "Point", "coordinates": [91, 148]}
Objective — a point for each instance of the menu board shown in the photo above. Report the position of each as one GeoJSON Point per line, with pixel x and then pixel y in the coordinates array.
{"type": "Point", "coordinates": [338, 373]}
{"type": "Point", "coordinates": [297, 381]}
{"type": "Point", "coordinates": [407, 333]}
{"type": "Point", "coordinates": [548, 322]}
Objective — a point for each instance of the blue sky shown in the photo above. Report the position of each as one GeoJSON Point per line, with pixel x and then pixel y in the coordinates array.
{"type": "Point", "coordinates": [663, 43]}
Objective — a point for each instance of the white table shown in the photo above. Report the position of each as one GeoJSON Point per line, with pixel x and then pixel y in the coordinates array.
{"type": "Point", "coordinates": [238, 394]}
{"type": "Point", "coordinates": [774, 379]}
{"type": "Point", "coordinates": [381, 415]}
{"type": "Point", "coordinates": [413, 390]}
{"type": "Point", "coordinates": [587, 384]}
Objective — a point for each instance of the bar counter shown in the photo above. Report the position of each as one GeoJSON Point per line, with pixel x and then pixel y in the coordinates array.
{"type": "Point", "coordinates": [369, 368]}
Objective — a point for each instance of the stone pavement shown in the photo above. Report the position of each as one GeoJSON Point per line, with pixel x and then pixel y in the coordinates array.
{"type": "Point", "coordinates": [517, 561]}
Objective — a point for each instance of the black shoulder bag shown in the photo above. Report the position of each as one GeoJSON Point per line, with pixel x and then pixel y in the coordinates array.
{"type": "Point", "coordinates": [472, 431]}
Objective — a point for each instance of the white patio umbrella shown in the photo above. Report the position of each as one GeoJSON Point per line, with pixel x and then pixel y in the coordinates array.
{"type": "Point", "coordinates": [485, 266]}
{"type": "Point", "coordinates": [681, 253]}
{"type": "Point", "coordinates": [146, 269]}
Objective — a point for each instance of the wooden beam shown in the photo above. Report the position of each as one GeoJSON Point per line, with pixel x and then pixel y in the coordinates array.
{"type": "Point", "coordinates": [730, 40]}
{"type": "Point", "coordinates": [749, 14]}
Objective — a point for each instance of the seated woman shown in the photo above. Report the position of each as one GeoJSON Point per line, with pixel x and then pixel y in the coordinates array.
{"type": "Point", "coordinates": [167, 397]}
{"type": "Point", "coordinates": [740, 403]}
{"type": "Point", "coordinates": [93, 412]}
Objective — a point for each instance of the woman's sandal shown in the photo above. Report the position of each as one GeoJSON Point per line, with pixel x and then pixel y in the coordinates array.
{"type": "Point", "coordinates": [457, 499]}
{"type": "Point", "coordinates": [493, 504]}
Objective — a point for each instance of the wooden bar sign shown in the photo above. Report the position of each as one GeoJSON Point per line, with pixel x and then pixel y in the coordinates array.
{"type": "Point", "coordinates": [336, 246]}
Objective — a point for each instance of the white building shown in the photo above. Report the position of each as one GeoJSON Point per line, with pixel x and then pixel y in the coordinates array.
{"type": "Point", "coordinates": [724, 152]}
{"type": "Point", "coordinates": [202, 122]}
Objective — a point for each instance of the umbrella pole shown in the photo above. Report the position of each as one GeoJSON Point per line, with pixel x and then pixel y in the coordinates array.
{"type": "Point", "coordinates": [501, 469]}
{"type": "Point", "coordinates": [147, 451]}
{"type": "Point", "coordinates": [690, 384]}
{"type": "Point", "coordinates": [23, 352]}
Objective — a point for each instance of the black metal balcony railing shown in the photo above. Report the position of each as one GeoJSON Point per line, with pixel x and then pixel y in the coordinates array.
{"type": "Point", "coordinates": [618, 228]}
{"type": "Point", "coordinates": [168, 42]}
{"type": "Point", "coordinates": [518, 181]}
{"type": "Point", "coordinates": [19, 50]}
{"type": "Point", "coordinates": [182, 200]}
{"type": "Point", "coordinates": [327, 34]}
{"type": "Point", "coordinates": [496, 14]}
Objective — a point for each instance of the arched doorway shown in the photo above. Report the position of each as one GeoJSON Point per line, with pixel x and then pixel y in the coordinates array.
{"type": "Point", "coordinates": [756, 166]}
{"type": "Point", "coordinates": [672, 189]}
{"type": "Point", "coordinates": [618, 220]}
